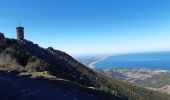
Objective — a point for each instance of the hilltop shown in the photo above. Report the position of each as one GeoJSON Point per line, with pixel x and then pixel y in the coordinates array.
{"type": "Point", "coordinates": [27, 57]}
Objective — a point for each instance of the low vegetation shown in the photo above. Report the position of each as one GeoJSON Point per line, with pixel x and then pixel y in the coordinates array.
{"type": "Point", "coordinates": [27, 56]}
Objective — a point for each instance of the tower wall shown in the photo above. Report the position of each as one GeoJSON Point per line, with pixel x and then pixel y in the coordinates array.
{"type": "Point", "coordinates": [2, 36]}
{"type": "Point", "coordinates": [20, 33]}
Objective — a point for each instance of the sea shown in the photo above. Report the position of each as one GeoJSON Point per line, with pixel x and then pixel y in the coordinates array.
{"type": "Point", "coordinates": [156, 60]}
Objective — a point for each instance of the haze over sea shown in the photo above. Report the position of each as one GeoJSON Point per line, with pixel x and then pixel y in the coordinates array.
{"type": "Point", "coordinates": [158, 60]}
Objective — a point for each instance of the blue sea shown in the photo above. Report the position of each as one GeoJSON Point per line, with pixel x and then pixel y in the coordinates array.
{"type": "Point", "coordinates": [158, 60]}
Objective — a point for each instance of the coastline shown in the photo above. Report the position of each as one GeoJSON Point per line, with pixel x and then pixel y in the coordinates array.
{"type": "Point", "coordinates": [102, 58]}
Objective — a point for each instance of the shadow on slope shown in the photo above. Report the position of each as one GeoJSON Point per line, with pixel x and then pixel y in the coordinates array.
{"type": "Point", "coordinates": [13, 87]}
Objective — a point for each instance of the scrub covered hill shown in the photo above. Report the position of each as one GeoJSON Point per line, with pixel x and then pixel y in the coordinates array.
{"type": "Point", "coordinates": [22, 87]}
{"type": "Point", "coordinates": [25, 56]}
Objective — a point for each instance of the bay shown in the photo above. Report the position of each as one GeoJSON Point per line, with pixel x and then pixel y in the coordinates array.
{"type": "Point", "coordinates": [158, 60]}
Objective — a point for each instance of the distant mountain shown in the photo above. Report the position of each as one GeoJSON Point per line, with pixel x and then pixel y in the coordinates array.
{"type": "Point", "coordinates": [26, 57]}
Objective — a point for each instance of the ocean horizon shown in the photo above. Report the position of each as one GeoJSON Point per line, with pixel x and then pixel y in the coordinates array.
{"type": "Point", "coordinates": [156, 60]}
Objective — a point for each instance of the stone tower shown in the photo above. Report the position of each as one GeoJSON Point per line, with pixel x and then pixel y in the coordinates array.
{"type": "Point", "coordinates": [2, 36]}
{"type": "Point", "coordinates": [20, 32]}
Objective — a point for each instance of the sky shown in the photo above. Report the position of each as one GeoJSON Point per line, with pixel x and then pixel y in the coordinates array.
{"type": "Point", "coordinates": [80, 27]}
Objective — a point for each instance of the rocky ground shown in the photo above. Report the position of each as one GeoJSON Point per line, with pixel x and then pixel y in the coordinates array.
{"type": "Point", "coordinates": [22, 87]}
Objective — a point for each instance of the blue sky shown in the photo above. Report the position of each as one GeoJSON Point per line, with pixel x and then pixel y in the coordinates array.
{"type": "Point", "coordinates": [90, 26]}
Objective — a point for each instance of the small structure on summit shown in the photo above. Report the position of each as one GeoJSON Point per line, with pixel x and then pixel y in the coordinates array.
{"type": "Point", "coordinates": [2, 36]}
{"type": "Point", "coordinates": [20, 33]}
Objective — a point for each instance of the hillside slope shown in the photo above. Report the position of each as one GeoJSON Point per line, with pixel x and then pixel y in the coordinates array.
{"type": "Point", "coordinates": [27, 56]}
{"type": "Point", "coordinates": [155, 79]}
{"type": "Point", "coordinates": [14, 87]}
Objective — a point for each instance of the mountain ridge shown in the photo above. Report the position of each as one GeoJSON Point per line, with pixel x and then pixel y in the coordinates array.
{"type": "Point", "coordinates": [27, 56]}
